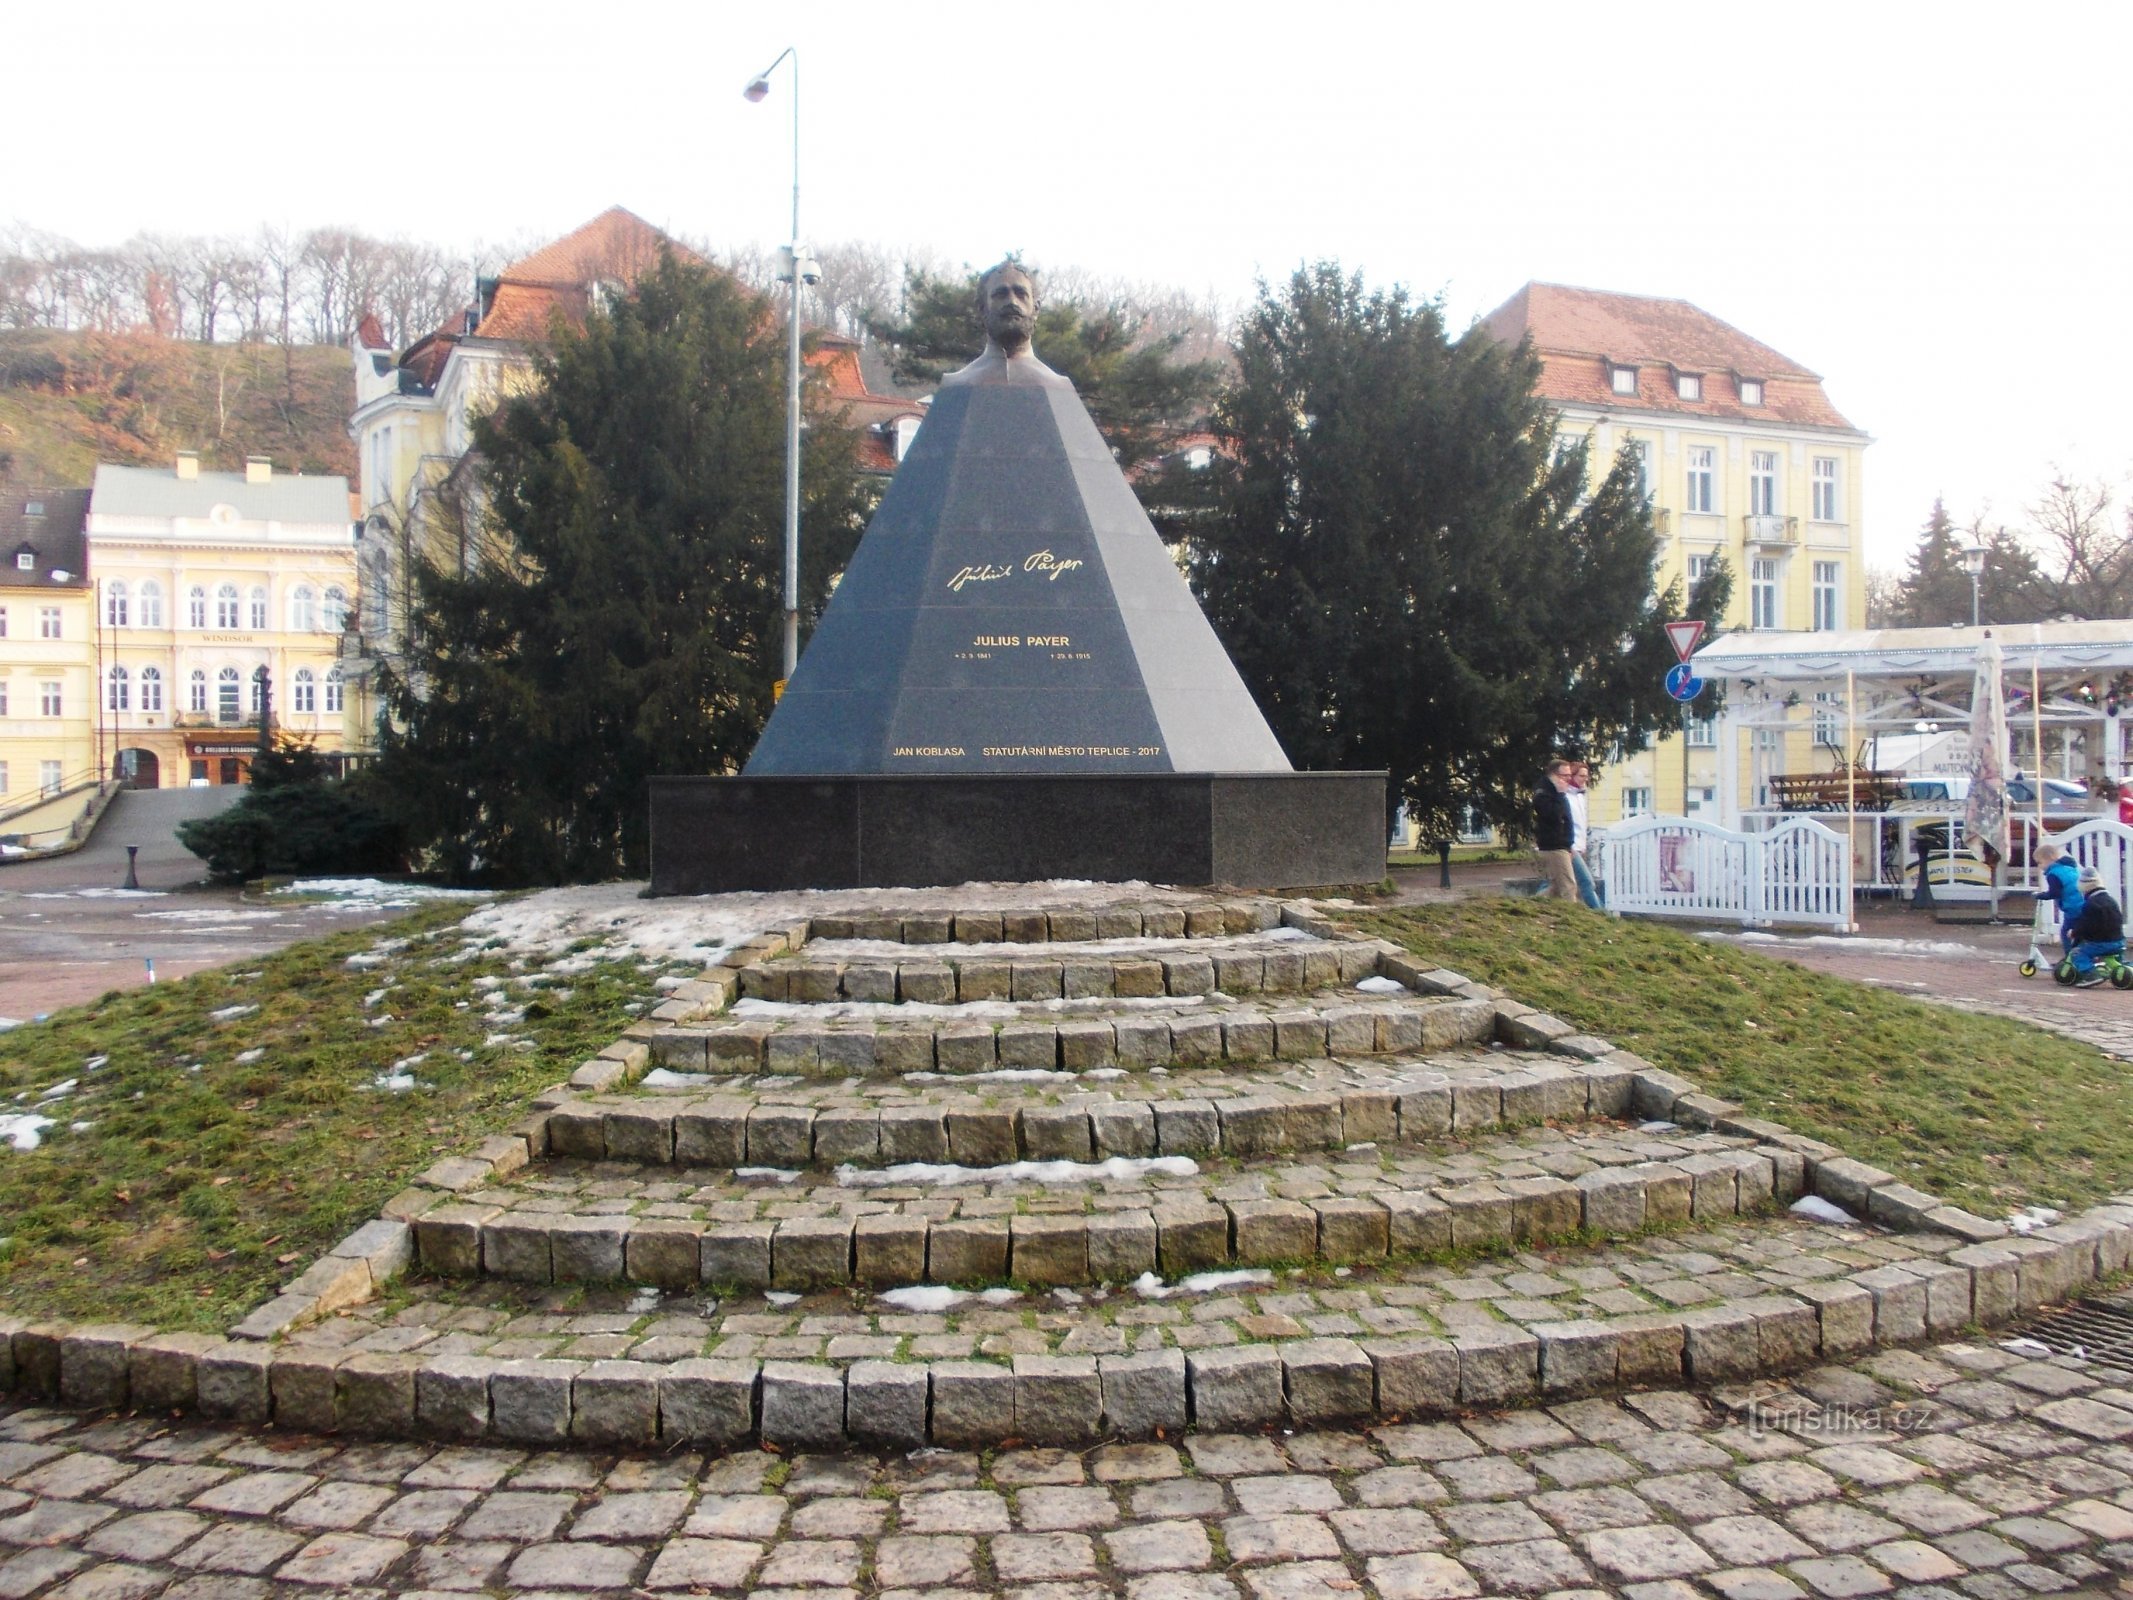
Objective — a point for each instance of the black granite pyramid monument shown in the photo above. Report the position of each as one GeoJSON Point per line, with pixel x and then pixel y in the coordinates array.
{"type": "Point", "coordinates": [1012, 610]}
{"type": "Point", "coordinates": [1012, 682]}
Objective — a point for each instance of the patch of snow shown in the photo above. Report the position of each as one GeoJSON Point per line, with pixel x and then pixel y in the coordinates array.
{"type": "Point", "coordinates": [924, 1298]}
{"type": "Point", "coordinates": [1105, 1072]}
{"type": "Point", "coordinates": [1382, 986]}
{"type": "Point", "coordinates": [59, 1091]}
{"type": "Point", "coordinates": [662, 1078]}
{"type": "Point", "coordinates": [767, 1174]}
{"type": "Point", "coordinates": [23, 1130]}
{"type": "Point", "coordinates": [1066, 1296]}
{"type": "Point", "coordinates": [374, 997]}
{"type": "Point", "coordinates": [246, 1057]}
{"type": "Point", "coordinates": [1859, 944]}
{"type": "Point", "coordinates": [2030, 1218]}
{"type": "Point", "coordinates": [365, 892]}
{"type": "Point", "coordinates": [1150, 1287]}
{"type": "Point", "coordinates": [232, 1013]}
{"type": "Point", "coordinates": [384, 1021]}
{"type": "Point", "coordinates": [781, 1297]}
{"type": "Point", "coordinates": [2026, 1347]}
{"type": "Point", "coordinates": [668, 981]}
{"type": "Point", "coordinates": [79, 1127]}
{"type": "Point", "coordinates": [996, 1075]}
{"type": "Point", "coordinates": [364, 960]}
{"type": "Point", "coordinates": [999, 1297]}
{"type": "Point", "coordinates": [1817, 1209]}
{"type": "Point", "coordinates": [644, 1300]}
{"type": "Point", "coordinates": [414, 1060]}
{"type": "Point", "coordinates": [233, 915]}
{"type": "Point", "coordinates": [1658, 1126]}
{"type": "Point", "coordinates": [1118, 1169]}
{"type": "Point", "coordinates": [394, 1082]}
{"type": "Point", "coordinates": [9, 1022]}
{"type": "Point", "coordinates": [98, 894]}
{"type": "Point", "coordinates": [94, 1062]}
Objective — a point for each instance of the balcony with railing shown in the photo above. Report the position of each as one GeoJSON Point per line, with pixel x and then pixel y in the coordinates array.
{"type": "Point", "coordinates": [1761, 528]}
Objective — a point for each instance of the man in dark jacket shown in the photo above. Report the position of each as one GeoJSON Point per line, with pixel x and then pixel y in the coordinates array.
{"type": "Point", "coordinates": [1554, 831]}
{"type": "Point", "coordinates": [2099, 931]}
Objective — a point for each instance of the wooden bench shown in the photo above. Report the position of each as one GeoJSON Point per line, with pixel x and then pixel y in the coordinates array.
{"type": "Point", "coordinates": [1861, 790]}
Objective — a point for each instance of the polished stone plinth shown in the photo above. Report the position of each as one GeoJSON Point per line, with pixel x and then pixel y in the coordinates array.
{"type": "Point", "coordinates": [1257, 829]}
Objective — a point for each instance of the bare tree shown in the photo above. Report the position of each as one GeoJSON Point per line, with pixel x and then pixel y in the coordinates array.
{"type": "Point", "coordinates": [2087, 551]}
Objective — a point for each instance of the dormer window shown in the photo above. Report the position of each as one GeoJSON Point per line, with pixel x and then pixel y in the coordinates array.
{"type": "Point", "coordinates": [25, 560]}
{"type": "Point", "coordinates": [1688, 385]}
{"type": "Point", "coordinates": [1751, 391]}
{"type": "Point", "coordinates": [1623, 380]}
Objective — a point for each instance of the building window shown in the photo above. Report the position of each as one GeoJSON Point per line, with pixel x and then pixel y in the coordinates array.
{"type": "Point", "coordinates": [3, 777]}
{"type": "Point", "coordinates": [226, 694]}
{"type": "Point", "coordinates": [1689, 385]}
{"type": "Point", "coordinates": [1636, 801]}
{"type": "Point", "coordinates": [118, 695]}
{"type": "Point", "coordinates": [115, 606]}
{"type": "Point", "coordinates": [25, 561]}
{"type": "Point", "coordinates": [1751, 391]}
{"type": "Point", "coordinates": [3, 709]}
{"type": "Point", "coordinates": [48, 777]}
{"type": "Point", "coordinates": [1825, 482]}
{"type": "Point", "coordinates": [381, 457]}
{"type": "Point", "coordinates": [3, 622]}
{"type": "Point", "coordinates": [150, 604]}
{"type": "Point", "coordinates": [1827, 616]}
{"type": "Point", "coordinates": [1763, 593]}
{"type": "Point", "coordinates": [375, 584]}
{"type": "Point", "coordinates": [259, 610]}
{"type": "Point", "coordinates": [1762, 483]}
{"type": "Point", "coordinates": [1703, 733]}
{"type": "Point", "coordinates": [196, 607]}
{"type": "Point", "coordinates": [1703, 473]}
{"type": "Point", "coordinates": [1704, 797]}
{"type": "Point", "coordinates": [333, 691]}
{"type": "Point", "coordinates": [1829, 718]}
{"type": "Point", "coordinates": [196, 692]}
{"type": "Point", "coordinates": [48, 626]}
{"type": "Point", "coordinates": [1698, 566]}
{"type": "Point", "coordinates": [226, 605]}
{"type": "Point", "coordinates": [151, 689]}
{"type": "Point", "coordinates": [333, 612]}
{"type": "Point", "coordinates": [303, 609]}
{"type": "Point", "coordinates": [305, 695]}
{"type": "Point", "coordinates": [48, 698]}
{"type": "Point", "coordinates": [1642, 448]}
{"type": "Point", "coordinates": [1623, 380]}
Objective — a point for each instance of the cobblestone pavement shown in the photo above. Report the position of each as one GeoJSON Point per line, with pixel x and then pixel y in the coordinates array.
{"type": "Point", "coordinates": [1956, 1470]}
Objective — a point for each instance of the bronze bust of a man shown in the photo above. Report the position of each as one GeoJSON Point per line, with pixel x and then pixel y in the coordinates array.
{"type": "Point", "coordinates": [1007, 298]}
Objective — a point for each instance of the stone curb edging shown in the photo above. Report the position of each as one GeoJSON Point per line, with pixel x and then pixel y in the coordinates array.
{"type": "Point", "coordinates": [1067, 1400]}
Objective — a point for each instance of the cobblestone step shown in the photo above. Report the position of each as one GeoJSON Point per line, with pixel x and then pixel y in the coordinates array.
{"type": "Point", "coordinates": [1177, 916]}
{"type": "Point", "coordinates": [1724, 1304]}
{"type": "Point", "coordinates": [842, 1040]}
{"type": "Point", "coordinates": [1067, 1223]}
{"type": "Point", "coordinates": [1285, 961]}
{"type": "Point", "coordinates": [1048, 1115]}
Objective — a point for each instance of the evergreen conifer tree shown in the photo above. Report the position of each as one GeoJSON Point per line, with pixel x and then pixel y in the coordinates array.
{"type": "Point", "coordinates": [630, 623]}
{"type": "Point", "coordinates": [1410, 574]}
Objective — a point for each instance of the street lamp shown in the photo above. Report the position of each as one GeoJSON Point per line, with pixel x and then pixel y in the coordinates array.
{"type": "Point", "coordinates": [795, 268]}
{"type": "Point", "coordinates": [1973, 556]}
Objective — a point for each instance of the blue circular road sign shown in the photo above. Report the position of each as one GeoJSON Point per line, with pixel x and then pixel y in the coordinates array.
{"type": "Point", "coordinates": [1683, 684]}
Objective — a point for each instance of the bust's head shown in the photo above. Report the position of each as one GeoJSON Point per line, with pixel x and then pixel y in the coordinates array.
{"type": "Point", "coordinates": [1007, 298]}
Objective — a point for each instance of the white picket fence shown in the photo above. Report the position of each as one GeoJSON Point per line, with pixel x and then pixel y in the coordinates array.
{"type": "Point", "coordinates": [1797, 872]}
{"type": "Point", "coordinates": [2105, 844]}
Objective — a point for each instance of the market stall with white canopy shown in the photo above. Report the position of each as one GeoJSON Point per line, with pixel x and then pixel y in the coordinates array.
{"type": "Point", "coordinates": [2064, 686]}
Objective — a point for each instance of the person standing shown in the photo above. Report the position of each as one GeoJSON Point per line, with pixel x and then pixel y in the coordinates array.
{"type": "Point", "coordinates": [1581, 833]}
{"type": "Point", "coordinates": [1554, 832]}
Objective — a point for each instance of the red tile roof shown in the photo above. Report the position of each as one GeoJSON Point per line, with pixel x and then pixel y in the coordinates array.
{"type": "Point", "coordinates": [1580, 334]}
{"type": "Point", "coordinates": [616, 246]}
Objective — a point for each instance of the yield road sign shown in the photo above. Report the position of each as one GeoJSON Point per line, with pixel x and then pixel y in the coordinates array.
{"type": "Point", "coordinates": [1684, 637]}
{"type": "Point", "coordinates": [1683, 684]}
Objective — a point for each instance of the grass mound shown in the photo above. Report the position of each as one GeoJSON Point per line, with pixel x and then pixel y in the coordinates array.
{"type": "Point", "coordinates": [1989, 1113]}
{"type": "Point", "coordinates": [225, 1130]}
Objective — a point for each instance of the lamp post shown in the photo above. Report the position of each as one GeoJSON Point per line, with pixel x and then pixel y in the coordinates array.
{"type": "Point", "coordinates": [1973, 557]}
{"type": "Point", "coordinates": [796, 269]}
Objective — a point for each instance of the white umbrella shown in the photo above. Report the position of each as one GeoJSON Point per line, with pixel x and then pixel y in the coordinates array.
{"type": "Point", "coordinates": [1985, 815]}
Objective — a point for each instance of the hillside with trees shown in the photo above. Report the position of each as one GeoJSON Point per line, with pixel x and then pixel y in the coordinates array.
{"type": "Point", "coordinates": [70, 399]}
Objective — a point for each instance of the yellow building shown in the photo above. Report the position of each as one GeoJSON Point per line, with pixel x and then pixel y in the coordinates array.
{"type": "Point", "coordinates": [47, 661]}
{"type": "Point", "coordinates": [212, 589]}
{"type": "Point", "coordinates": [1745, 458]}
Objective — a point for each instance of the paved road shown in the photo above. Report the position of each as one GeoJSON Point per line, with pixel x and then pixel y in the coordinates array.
{"type": "Point", "coordinates": [69, 932]}
{"type": "Point", "coordinates": [1958, 1470]}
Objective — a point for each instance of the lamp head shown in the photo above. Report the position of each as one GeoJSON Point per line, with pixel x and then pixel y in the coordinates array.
{"type": "Point", "coordinates": [757, 91]}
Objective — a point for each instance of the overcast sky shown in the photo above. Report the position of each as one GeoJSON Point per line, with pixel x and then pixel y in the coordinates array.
{"type": "Point", "coordinates": [1928, 205]}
